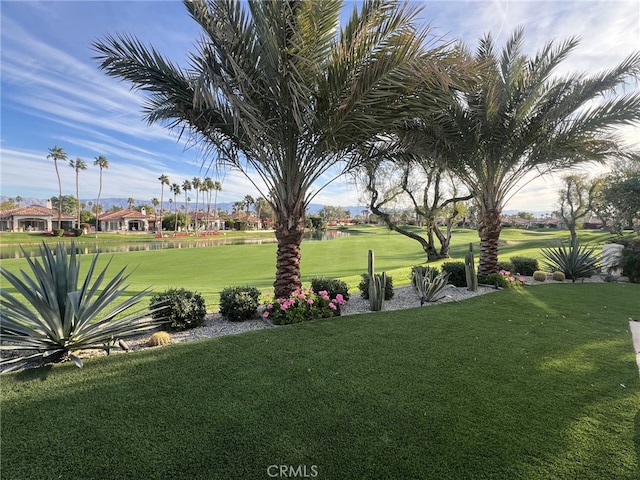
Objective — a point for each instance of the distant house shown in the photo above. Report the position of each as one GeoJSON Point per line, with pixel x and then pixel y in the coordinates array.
{"type": "Point", "coordinates": [593, 223]}
{"type": "Point", "coordinates": [127, 220]}
{"type": "Point", "coordinates": [34, 218]}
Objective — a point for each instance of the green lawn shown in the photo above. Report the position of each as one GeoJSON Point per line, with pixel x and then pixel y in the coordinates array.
{"type": "Point", "coordinates": [208, 270]}
{"type": "Point", "coordinates": [538, 383]}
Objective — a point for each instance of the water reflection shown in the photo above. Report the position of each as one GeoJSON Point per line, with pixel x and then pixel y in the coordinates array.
{"type": "Point", "coordinates": [140, 246]}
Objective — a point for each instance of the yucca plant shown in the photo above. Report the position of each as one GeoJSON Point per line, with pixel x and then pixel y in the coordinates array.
{"type": "Point", "coordinates": [575, 260]}
{"type": "Point", "coordinates": [429, 285]}
{"type": "Point", "coordinates": [56, 317]}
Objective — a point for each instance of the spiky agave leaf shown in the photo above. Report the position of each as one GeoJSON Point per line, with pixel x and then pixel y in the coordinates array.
{"type": "Point", "coordinates": [56, 317]}
{"type": "Point", "coordinates": [575, 261]}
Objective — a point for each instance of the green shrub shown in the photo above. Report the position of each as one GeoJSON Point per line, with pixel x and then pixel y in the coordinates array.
{"type": "Point", "coordinates": [181, 308]}
{"type": "Point", "coordinates": [78, 232]}
{"type": "Point", "coordinates": [558, 276]}
{"type": "Point", "coordinates": [502, 279]}
{"type": "Point", "coordinates": [239, 303]}
{"type": "Point", "coordinates": [575, 261]}
{"type": "Point", "coordinates": [302, 305]}
{"type": "Point", "coordinates": [332, 286]}
{"type": "Point", "coordinates": [523, 265]}
{"type": "Point", "coordinates": [539, 276]}
{"type": "Point", "coordinates": [363, 286]}
{"type": "Point", "coordinates": [60, 314]}
{"type": "Point", "coordinates": [507, 266]}
{"type": "Point", "coordinates": [457, 273]}
{"type": "Point", "coordinates": [630, 260]}
{"type": "Point", "coordinates": [58, 232]}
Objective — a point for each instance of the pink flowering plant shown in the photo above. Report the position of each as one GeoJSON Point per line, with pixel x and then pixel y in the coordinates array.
{"type": "Point", "coordinates": [302, 305]}
{"type": "Point", "coordinates": [504, 279]}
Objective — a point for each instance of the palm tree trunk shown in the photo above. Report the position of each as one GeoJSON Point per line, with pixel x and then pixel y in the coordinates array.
{"type": "Point", "coordinates": [489, 229]}
{"type": "Point", "coordinates": [59, 197]}
{"type": "Point", "coordinates": [98, 203]}
{"type": "Point", "coordinates": [289, 232]}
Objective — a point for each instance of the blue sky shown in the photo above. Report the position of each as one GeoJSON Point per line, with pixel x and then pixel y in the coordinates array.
{"type": "Point", "coordinates": [52, 92]}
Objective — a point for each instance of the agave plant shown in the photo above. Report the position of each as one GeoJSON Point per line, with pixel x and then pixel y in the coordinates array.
{"type": "Point", "coordinates": [428, 284]}
{"type": "Point", "coordinates": [55, 317]}
{"type": "Point", "coordinates": [575, 260]}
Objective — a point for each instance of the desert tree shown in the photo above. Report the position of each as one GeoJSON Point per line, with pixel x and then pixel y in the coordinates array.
{"type": "Point", "coordinates": [575, 200]}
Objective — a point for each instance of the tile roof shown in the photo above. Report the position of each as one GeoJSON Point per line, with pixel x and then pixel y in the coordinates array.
{"type": "Point", "coordinates": [33, 211]}
{"type": "Point", "coordinates": [127, 213]}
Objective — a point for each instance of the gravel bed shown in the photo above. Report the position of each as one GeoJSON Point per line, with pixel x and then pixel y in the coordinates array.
{"type": "Point", "coordinates": [215, 325]}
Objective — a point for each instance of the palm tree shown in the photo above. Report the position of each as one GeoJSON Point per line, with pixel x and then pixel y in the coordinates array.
{"type": "Point", "coordinates": [216, 187]}
{"type": "Point", "coordinates": [102, 163]}
{"type": "Point", "coordinates": [18, 200]}
{"type": "Point", "coordinates": [283, 93]}
{"type": "Point", "coordinates": [155, 202]}
{"type": "Point", "coordinates": [519, 118]}
{"type": "Point", "coordinates": [208, 186]}
{"type": "Point", "coordinates": [164, 180]}
{"type": "Point", "coordinates": [131, 202]}
{"type": "Point", "coordinates": [248, 202]}
{"type": "Point", "coordinates": [78, 165]}
{"type": "Point", "coordinates": [186, 186]}
{"type": "Point", "coordinates": [196, 183]}
{"type": "Point", "coordinates": [175, 188]}
{"type": "Point", "coordinates": [57, 153]}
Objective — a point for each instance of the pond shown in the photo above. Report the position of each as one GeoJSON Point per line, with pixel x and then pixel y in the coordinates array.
{"type": "Point", "coordinates": [12, 251]}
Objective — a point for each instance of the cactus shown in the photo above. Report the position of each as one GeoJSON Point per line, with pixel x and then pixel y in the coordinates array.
{"type": "Point", "coordinates": [559, 276]}
{"type": "Point", "coordinates": [376, 286]}
{"type": "Point", "coordinates": [539, 276]}
{"type": "Point", "coordinates": [159, 338]}
{"type": "Point", "coordinates": [470, 270]}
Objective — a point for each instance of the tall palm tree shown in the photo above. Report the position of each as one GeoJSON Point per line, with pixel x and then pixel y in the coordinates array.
{"type": "Point", "coordinates": [196, 183]}
{"type": "Point", "coordinates": [18, 200]}
{"type": "Point", "coordinates": [57, 153]}
{"type": "Point", "coordinates": [164, 180]}
{"type": "Point", "coordinates": [208, 185]}
{"type": "Point", "coordinates": [283, 93]}
{"type": "Point", "coordinates": [186, 186]}
{"type": "Point", "coordinates": [216, 187]}
{"type": "Point", "coordinates": [131, 202]}
{"type": "Point", "coordinates": [155, 202]}
{"type": "Point", "coordinates": [78, 164]}
{"type": "Point", "coordinates": [103, 164]}
{"type": "Point", "coordinates": [521, 118]}
{"type": "Point", "coordinates": [175, 188]}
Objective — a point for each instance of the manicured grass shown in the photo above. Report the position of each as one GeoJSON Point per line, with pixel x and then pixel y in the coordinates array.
{"type": "Point", "coordinates": [208, 270]}
{"type": "Point", "coordinates": [538, 383]}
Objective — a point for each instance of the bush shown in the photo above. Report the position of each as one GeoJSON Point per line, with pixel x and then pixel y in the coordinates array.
{"type": "Point", "coordinates": [423, 270]}
{"type": "Point", "coordinates": [239, 303]}
{"type": "Point", "coordinates": [575, 261]}
{"type": "Point", "coordinates": [58, 232]}
{"type": "Point", "coordinates": [630, 260]}
{"type": "Point", "coordinates": [503, 279]}
{"type": "Point", "coordinates": [38, 322]}
{"type": "Point", "coordinates": [539, 276]}
{"type": "Point", "coordinates": [524, 265]}
{"type": "Point", "coordinates": [78, 232]}
{"type": "Point", "coordinates": [182, 309]}
{"type": "Point", "coordinates": [558, 276]}
{"type": "Point", "coordinates": [363, 286]}
{"type": "Point", "coordinates": [301, 306]}
{"type": "Point", "coordinates": [332, 286]}
{"type": "Point", "coordinates": [457, 274]}
{"type": "Point", "coordinates": [507, 266]}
